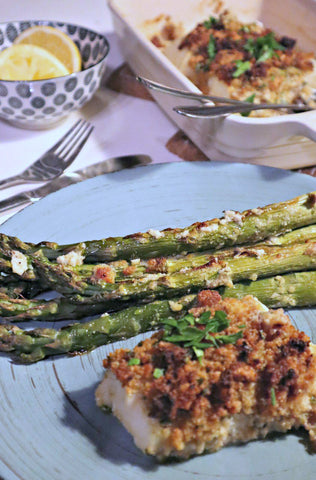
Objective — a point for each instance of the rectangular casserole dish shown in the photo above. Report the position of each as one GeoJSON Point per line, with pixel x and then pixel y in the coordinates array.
{"type": "Point", "coordinates": [234, 137]}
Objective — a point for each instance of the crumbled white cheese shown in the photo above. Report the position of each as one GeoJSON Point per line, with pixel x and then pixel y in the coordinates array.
{"type": "Point", "coordinates": [72, 259]}
{"type": "Point", "coordinates": [135, 261]}
{"type": "Point", "coordinates": [257, 211]}
{"type": "Point", "coordinates": [183, 234]}
{"type": "Point", "coordinates": [18, 262]}
{"type": "Point", "coordinates": [232, 216]}
{"type": "Point", "coordinates": [259, 252]}
{"type": "Point", "coordinates": [184, 269]}
{"type": "Point", "coordinates": [210, 228]}
{"type": "Point", "coordinates": [273, 240]}
{"type": "Point", "coordinates": [175, 306]}
{"type": "Point", "coordinates": [156, 233]}
{"type": "Point", "coordinates": [224, 277]}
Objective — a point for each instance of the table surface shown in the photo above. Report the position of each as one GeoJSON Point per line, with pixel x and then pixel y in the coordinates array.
{"type": "Point", "coordinates": [120, 121]}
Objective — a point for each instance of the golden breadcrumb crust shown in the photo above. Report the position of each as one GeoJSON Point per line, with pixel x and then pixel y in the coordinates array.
{"type": "Point", "coordinates": [270, 372]}
{"type": "Point", "coordinates": [280, 77]}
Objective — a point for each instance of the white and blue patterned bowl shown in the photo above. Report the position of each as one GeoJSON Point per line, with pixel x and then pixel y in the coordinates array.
{"type": "Point", "coordinates": [40, 104]}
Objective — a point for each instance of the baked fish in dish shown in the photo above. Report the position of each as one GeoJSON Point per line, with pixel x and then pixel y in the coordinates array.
{"type": "Point", "coordinates": [225, 57]}
{"type": "Point", "coordinates": [228, 371]}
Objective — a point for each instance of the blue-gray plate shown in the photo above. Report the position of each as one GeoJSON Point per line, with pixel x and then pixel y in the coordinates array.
{"type": "Point", "coordinates": [50, 426]}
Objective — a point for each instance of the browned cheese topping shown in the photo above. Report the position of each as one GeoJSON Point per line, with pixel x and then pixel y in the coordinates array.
{"type": "Point", "coordinates": [266, 372]}
{"type": "Point", "coordinates": [234, 42]}
{"type": "Point", "coordinates": [250, 59]}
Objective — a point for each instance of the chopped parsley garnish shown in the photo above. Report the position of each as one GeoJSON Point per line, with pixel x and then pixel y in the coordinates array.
{"type": "Point", "coordinates": [210, 22]}
{"type": "Point", "coordinates": [196, 333]}
{"type": "Point", "coordinates": [249, 99]}
{"type": "Point", "coordinates": [158, 372]}
{"type": "Point", "coordinates": [263, 48]}
{"type": "Point", "coordinates": [134, 361]}
{"type": "Point", "coordinates": [241, 67]}
{"type": "Point", "coordinates": [273, 397]}
{"type": "Point", "coordinates": [211, 48]}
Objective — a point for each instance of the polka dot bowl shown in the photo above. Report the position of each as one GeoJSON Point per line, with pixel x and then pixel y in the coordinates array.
{"type": "Point", "coordinates": [40, 104]}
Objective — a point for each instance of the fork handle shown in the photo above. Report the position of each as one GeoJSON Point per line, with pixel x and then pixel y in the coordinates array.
{"type": "Point", "coordinates": [12, 182]}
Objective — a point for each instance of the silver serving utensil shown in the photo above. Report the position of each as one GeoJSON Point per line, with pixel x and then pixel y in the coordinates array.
{"type": "Point", "coordinates": [231, 105]}
{"type": "Point", "coordinates": [209, 111]}
{"type": "Point", "coordinates": [107, 166]}
{"type": "Point", "coordinates": [182, 93]}
{"type": "Point", "coordinates": [55, 161]}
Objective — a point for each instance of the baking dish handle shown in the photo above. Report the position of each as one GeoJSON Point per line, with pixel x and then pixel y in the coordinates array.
{"type": "Point", "coordinates": [307, 127]}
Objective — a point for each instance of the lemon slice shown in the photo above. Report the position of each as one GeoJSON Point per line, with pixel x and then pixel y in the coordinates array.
{"type": "Point", "coordinates": [29, 62]}
{"type": "Point", "coordinates": [56, 42]}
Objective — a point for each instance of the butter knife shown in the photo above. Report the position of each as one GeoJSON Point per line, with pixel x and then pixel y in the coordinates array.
{"type": "Point", "coordinates": [107, 166]}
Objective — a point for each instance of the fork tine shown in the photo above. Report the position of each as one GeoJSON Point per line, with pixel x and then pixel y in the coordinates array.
{"type": "Point", "coordinates": [73, 153]}
{"type": "Point", "coordinates": [69, 132]}
{"type": "Point", "coordinates": [76, 135]}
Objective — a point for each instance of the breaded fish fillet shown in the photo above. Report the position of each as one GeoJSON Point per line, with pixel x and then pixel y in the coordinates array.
{"type": "Point", "coordinates": [256, 376]}
{"type": "Point", "coordinates": [225, 57]}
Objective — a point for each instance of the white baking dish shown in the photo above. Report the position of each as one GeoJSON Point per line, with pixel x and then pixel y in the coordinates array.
{"type": "Point", "coordinates": [234, 135]}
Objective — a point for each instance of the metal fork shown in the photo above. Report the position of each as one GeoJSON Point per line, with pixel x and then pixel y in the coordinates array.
{"type": "Point", "coordinates": [230, 105]}
{"type": "Point", "coordinates": [55, 161]}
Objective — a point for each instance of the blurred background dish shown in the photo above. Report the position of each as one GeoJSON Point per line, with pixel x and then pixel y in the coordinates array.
{"type": "Point", "coordinates": [234, 136]}
{"type": "Point", "coordinates": [38, 104]}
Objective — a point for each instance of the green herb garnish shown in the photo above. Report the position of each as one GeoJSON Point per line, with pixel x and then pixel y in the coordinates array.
{"type": "Point", "coordinates": [158, 372]}
{"type": "Point", "coordinates": [198, 333]}
{"type": "Point", "coordinates": [245, 28]}
{"type": "Point", "coordinates": [210, 22]}
{"type": "Point", "coordinates": [134, 361]}
{"type": "Point", "coordinates": [263, 48]}
{"type": "Point", "coordinates": [273, 397]}
{"type": "Point", "coordinates": [249, 99]}
{"type": "Point", "coordinates": [198, 352]}
{"type": "Point", "coordinates": [242, 67]}
{"type": "Point", "coordinates": [211, 48]}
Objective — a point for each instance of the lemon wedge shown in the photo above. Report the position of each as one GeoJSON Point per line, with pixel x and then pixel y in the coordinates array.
{"type": "Point", "coordinates": [29, 62]}
{"type": "Point", "coordinates": [56, 42]}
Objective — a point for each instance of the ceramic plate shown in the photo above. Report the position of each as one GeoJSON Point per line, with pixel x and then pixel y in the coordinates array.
{"type": "Point", "coordinates": [50, 426]}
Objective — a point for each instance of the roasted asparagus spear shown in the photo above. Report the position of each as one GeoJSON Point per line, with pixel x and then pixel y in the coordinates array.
{"type": "Point", "coordinates": [234, 228]}
{"type": "Point", "coordinates": [295, 289]}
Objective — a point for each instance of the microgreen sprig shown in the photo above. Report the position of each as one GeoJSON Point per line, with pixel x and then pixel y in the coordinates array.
{"type": "Point", "coordinates": [263, 48]}
{"type": "Point", "coordinates": [241, 67]}
{"type": "Point", "coordinates": [198, 333]}
{"type": "Point", "coordinates": [211, 48]}
{"type": "Point", "coordinates": [211, 22]}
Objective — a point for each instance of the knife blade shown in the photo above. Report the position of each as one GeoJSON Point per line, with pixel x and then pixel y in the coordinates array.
{"type": "Point", "coordinates": [110, 165]}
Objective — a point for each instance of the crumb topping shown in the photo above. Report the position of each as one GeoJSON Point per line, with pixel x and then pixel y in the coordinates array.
{"type": "Point", "coordinates": [267, 371]}
{"type": "Point", "coordinates": [253, 62]}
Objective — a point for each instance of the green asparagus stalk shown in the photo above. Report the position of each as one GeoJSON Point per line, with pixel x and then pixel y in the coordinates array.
{"type": "Point", "coordinates": [62, 308]}
{"type": "Point", "coordinates": [286, 291]}
{"type": "Point", "coordinates": [289, 290]}
{"type": "Point", "coordinates": [248, 227]}
{"type": "Point", "coordinates": [34, 345]}
{"type": "Point", "coordinates": [123, 269]}
{"type": "Point", "coordinates": [246, 264]}
{"type": "Point", "coordinates": [295, 289]}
